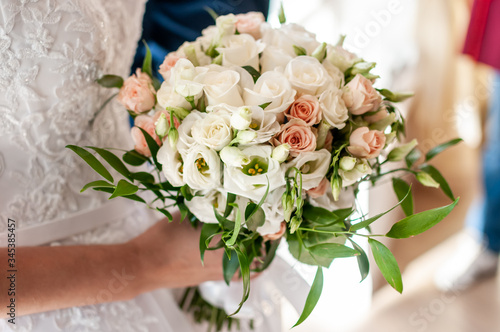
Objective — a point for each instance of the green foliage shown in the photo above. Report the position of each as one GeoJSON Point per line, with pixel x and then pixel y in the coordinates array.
{"type": "Point", "coordinates": [387, 264]}
{"type": "Point", "coordinates": [402, 189]}
{"type": "Point", "coordinates": [253, 72]}
{"type": "Point", "coordinates": [440, 148]}
{"type": "Point", "coordinates": [313, 296]}
{"type": "Point", "coordinates": [110, 81]}
{"type": "Point", "coordinates": [91, 161]}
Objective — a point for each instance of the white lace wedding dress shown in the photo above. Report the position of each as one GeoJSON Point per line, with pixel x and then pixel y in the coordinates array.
{"type": "Point", "coordinates": [51, 52]}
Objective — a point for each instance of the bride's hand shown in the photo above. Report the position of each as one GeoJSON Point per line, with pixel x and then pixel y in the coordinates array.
{"type": "Point", "coordinates": [168, 256]}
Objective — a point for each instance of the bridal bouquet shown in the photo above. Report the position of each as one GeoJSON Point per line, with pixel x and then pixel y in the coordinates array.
{"type": "Point", "coordinates": [259, 134]}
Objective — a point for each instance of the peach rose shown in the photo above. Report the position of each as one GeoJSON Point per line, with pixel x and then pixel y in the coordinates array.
{"type": "Point", "coordinates": [137, 93]}
{"type": "Point", "coordinates": [320, 190]}
{"type": "Point", "coordinates": [360, 96]}
{"type": "Point", "coordinates": [169, 63]}
{"type": "Point", "coordinates": [250, 23]}
{"type": "Point", "coordinates": [298, 135]}
{"type": "Point", "coordinates": [305, 108]}
{"type": "Point", "coordinates": [366, 143]}
{"type": "Point", "coordinates": [278, 234]}
{"type": "Point", "coordinates": [145, 122]}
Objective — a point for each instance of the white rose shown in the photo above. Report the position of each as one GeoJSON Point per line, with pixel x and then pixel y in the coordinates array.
{"type": "Point", "coordinates": [251, 180]}
{"type": "Point", "coordinates": [281, 152]}
{"type": "Point", "coordinates": [274, 59]}
{"type": "Point", "coordinates": [341, 58]}
{"type": "Point", "coordinates": [201, 43]}
{"type": "Point", "coordinates": [226, 24]}
{"type": "Point", "coordinates": [271, 87]}
{"type": "Point", "coordinates": [203, 206]}
{"type": "Point", "coordinates": [273, 209]}
{"type": "Point", "coordinates": [214, 130]}
{"type": "Point", "coordinates": [313, 166]}
{"type": "Point", "coordinates": [336, 74]}
{"type": "Point", "coordinates": [167, 96]}
{"type": "Point", "coordinates": [333, 108]}
{"type": "Point", "coordinates": [186, 140]}
{"type": "Point", "coordinates": [240, 50]}
{"type": "Point", "coordinates": [289, 35]}
{"type": "Point", "coordinates": [222, 87]}
{"type": "Point", "coordinates": [307, 75]}
{"type": "Point", "coordinates": [202, 168]}
{"type": "Point", "coordinates": [187, 78]}
{"type": "Point", "coordinates": [172, 165]}
{"type": "Point", "coordinates": [350, 177]}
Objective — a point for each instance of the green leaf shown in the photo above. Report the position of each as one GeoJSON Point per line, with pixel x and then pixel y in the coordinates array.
{"type": "Point", "coordinates": [412, 157]}
{"type": "Point", "coordinates": [186, 192]}
{"type": "Point", "coordinates": [332, 250]}
{"type": "Point", "coordinates": [132, 197]}
{"type": "Point", "coordinates": [91, 161]}
{"type": "Point", "coordinates": [401, 189]}
{"type": "Point", "coordinates": [252, 71]}
{"type": "Point", "coordinates": [124, 188]}
{"type": "Point", "coordinates": [300, 252]}
{"type": "Point", "coordinates": [183, 209]}
{"type": "Point", "coordinates": [99, 183]}
{"type": "Point", "coordinates": [134, 158]}
{"type": "Point", "coordinates": [143, 177]}
{"type": "Point", "coordinates": [281, 14]}
{"type": "Point", "coordinates": [263, 106]}
{"type": "Point", "coordinates": [440, 148]}
{"type": "Point", "coordinates": [420, 222]}
{"type": "Point", "coordinates": [207, 231]}
{"type": "Point", "coordinates": [211, 12]}
{"type": "Point", "coordinates": [343, 214]}
{"type": "Point", "coordinates": [299, 51]}
{"type": "Point", "coordinates": [231, 198]}
{"type": "Point", "coordinates": [387, 264]}
{"type": "Point", "coordinates": [245, 275]}
{"type": "Point", "coordinates": [395, 97]}
{"type": "Point", "coordinates": [255, 219]}
{"type": "Point", "coordinates": [153, 147]}
{"type": "Point", "coordinates": [147, 64]}
{"type": "Point", "coordinates": [113, 161]}
{"type": "Point", "coordinates": [318, 216]}
{"type": "Point", "coordinates": [367, 222]}
{"type": "Point", "coordinates": [110, 81]}
{"type": "Point", "coordinates": [229, 266]}
{"type": "Point", "coordinates": [312, 297]}
{"type": "Point", "coordinates": [363, 262]}
{"type": "Point", "coordinates": [436, 175]}
{"type": "Point", "coordinates": [165, 213]}
{"type": "Point", "coordinates": [237, 227]}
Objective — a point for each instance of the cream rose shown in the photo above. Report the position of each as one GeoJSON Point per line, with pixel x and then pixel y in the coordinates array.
{"type": "Point", "coordinates": [297, 134]}
{"type": "Point", "coordinates": [145, 122]}
{"type": "Point", "coordinates": [313, 166]}
{"type": "Point", "coordinates": [250, 23]}
{"type": "Point", "coordinates": [222, 87]}
{"type": "Point", "coordinates": [137, 93]}
{"type": "Point", "coordinates": [338, 77]}
{"type": "Point", "coordinates": [340, 58]}
{"type": "Point", "coordinates": [360, 96]}
{"type": "Point", "coordinates": [271, 87]}
{"type": "Point", "coordinates": [366, 143]}
{"type": "Point", "coordinates": [202, 168]}
{"type": "Point", "coordinates": [274, 59]}
{"type": "Point", "coordinates": [251, 180]}
{"type": "Point", "coordinates": [289, 35]}
{"type": "Point", "coordinates": [186, 140]}
{"type": "Point", "coordinates": [305, 108]}
{"type": "Point", "coordinates": [240, 50]}
{"type": "Point", "coordinates": [333, 108]}
{"type": "Point", "coordinates": [307, 75]}
{"type": "Point", "coordinates": [214, 130]}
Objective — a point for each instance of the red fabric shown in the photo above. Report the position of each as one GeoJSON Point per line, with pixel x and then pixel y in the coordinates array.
{"type": "Point", "coordinates": [483, 37]}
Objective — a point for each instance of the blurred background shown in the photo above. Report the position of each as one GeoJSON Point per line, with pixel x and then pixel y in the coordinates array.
{"type": "Point", "coordinates": [417, 45]}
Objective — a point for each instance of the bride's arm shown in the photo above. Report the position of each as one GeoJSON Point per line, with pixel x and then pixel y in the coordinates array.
{"type": "Point", "coordinates": [50, 278]}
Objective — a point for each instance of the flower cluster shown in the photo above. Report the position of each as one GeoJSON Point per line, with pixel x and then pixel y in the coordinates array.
{"type": "Point", "coordinates": [249, 103]}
